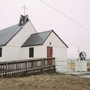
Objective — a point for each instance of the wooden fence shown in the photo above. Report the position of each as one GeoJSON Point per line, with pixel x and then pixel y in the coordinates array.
{"type": "Point", "coordinates": [14, 68]}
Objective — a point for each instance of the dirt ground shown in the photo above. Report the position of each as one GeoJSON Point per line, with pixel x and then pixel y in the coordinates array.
{"type": "Point", "coordinates": [45, 82]}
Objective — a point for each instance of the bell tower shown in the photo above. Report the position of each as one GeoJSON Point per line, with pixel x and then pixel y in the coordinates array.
{"type": "Point", "coordinates": [24, 18]}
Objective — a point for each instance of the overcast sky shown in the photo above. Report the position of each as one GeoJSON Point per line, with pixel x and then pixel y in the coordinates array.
{"type": "Point", "coordinates": [45, 18]}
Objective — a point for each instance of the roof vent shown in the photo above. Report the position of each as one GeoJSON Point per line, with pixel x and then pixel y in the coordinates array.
{"type": "Point", "coordinates": [23, 19]}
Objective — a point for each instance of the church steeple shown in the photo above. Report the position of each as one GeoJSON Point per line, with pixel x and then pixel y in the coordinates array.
{"type": "Point", "coordinates": [23, 19]}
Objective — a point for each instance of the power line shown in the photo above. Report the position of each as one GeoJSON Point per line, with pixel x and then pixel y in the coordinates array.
{"type": "Point", "coordinates": [64, 15]}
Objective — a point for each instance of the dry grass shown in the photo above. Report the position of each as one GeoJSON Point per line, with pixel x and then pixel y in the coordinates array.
{"type": "Point", "coordinates": [88, 65]}
{"type": "Point", "coordinates": [45, 82]}
{"type": "Point", "coordinates": [72, 65]}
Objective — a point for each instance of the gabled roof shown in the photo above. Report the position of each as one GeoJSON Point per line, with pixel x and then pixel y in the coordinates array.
{"type": "Point", "coordinates": [39, 39]}
{"type": "Point", "coordinates": [7, 34]}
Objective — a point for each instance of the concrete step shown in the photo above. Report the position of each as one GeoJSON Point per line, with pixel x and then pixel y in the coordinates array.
{"type": "Point", "coordinates": [81, 74]}
{"type": "Point", "coordinates": [85, 76]}
{"type": "Point", "coordinates": [63, 69]}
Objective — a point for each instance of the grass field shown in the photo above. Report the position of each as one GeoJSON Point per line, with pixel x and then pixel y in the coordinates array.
{"type": "Point", "coordinates": [45, 82]}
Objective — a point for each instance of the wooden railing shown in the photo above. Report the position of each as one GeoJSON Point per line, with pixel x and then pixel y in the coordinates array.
{"type": "Point", "coordinates": [14, 68]}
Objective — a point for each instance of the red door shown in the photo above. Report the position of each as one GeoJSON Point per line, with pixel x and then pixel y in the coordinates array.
{"type": "Point", "coordinates": [49, 55]}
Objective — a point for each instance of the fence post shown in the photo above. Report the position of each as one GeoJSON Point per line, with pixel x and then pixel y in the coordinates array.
{"type": "Point", "coordinates": [6, 71]}
{"type": "Point", "coordinates": [44, 62]}
{"type": "Point", "coordinates": [54, 61]}
{"type": "Point", "coordinates": [42, 66]}
{"type": "Point", "coordinates": [3, 70]}
{"type": "Point", "coordinates": [26, 65]}
{"type": "Point", "coordinates": [26, 69]}
{"type": "Point", "coordinates": [32, 66]}
{"type": "Point", "coordinates": [54, 65]}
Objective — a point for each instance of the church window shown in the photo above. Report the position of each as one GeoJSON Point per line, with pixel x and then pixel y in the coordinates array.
{"type": "Point", "coordinates": [0, 52]}
{"type": "Point", "coordinates": [31, 52]}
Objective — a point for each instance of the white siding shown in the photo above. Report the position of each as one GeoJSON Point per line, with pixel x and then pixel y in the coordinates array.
{"type": "Point", "coordinates": [3, 54]}
{"type": "Point", "coordinates": [12, 51]}
{"type": "Point", "coordinates": [55, 41]}
{"type": "Point", "coordinates": [39, 52]}
{"type": "Point", "coordinates": [59, 48]}
{"type": "Point", "coordinates": [22, 35]}
{"type": "Point", "coordinates": [25, 52]}
{"type": "Point", "coordinates": [60, 52]}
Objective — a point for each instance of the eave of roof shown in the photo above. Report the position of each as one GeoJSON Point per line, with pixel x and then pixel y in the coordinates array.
{"type": "Point", "coordinates": [60, 39]}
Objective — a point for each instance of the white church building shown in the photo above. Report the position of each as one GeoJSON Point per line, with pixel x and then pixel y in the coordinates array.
{"type": "Point", "coordinates": [22, 41]}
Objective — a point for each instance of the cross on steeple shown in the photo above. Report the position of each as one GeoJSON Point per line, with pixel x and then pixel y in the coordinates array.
{"type": "Point", "coordinates": [78, 52]}
{"type": "Point", "coordinates": [24, 9]}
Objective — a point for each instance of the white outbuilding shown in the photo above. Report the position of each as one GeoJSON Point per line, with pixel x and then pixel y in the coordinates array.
{"type": "Point", "coordinates": [22, 41]}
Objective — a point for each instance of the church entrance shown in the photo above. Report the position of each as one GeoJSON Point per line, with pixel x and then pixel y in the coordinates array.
{"type": "Point", "coordinates": [49, 55]}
